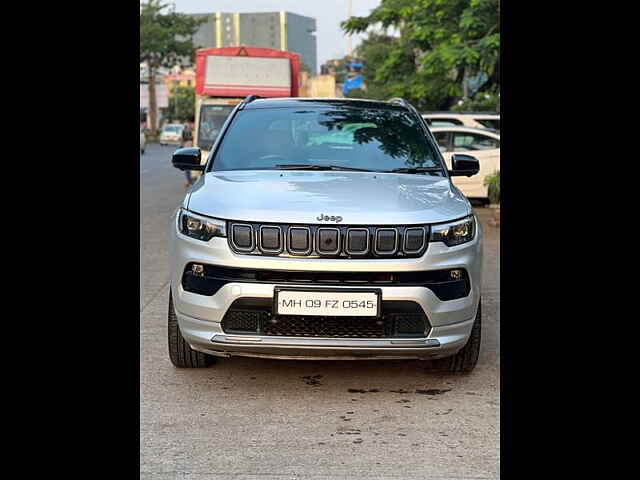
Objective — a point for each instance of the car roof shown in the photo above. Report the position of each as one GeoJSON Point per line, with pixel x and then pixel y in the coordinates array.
{"type": "Point", "coordinates": [462, 114]}
{"type": "Point", "coordinates": [293, 102]}
{"type": "Point", "coordinates": [485, 131]}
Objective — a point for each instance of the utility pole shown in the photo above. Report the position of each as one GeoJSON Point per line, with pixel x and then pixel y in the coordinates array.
{"type": "Point", "coordinates": [349, 49]}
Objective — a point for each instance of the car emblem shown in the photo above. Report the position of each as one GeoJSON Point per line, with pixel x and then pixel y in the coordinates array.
{"type": "Point", "coordinates": [327, 218]}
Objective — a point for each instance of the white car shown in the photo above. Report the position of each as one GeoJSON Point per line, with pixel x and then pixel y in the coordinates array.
{"type": "Point", "coordinates": [143, 141]}
{"type": "Point", "coordinates": [453, 119]}
{"type": "Point", "coordinates": [482, 144]}
{"type": "Point", "coordinates": [171, 134]}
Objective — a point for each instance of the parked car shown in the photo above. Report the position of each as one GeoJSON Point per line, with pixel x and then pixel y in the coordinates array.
{"type": "Point", "coordinates": [171, 134]}
{"type": "Point", "coordinates": [143, 141]}
{"type": "Point", "coordinates": [482, 144]}
{"type": "Point", "coordinates": [334, 232]}
{"type": "Point", "coordinates": [475, 120]}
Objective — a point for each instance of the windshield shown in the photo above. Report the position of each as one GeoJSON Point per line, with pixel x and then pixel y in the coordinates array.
{"type": "Point", "coordinates": [172, 128]}
{"type": "Point", "coordinates": [353, 138]}
{"type": "Point", "coordinates": [212, 117]}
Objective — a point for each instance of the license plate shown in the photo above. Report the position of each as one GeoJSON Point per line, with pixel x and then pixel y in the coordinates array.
{"type": "Point", "coordinates": [327, 302]}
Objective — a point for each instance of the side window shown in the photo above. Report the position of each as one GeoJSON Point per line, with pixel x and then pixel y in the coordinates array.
{"type": "Point", "coordinates": [489, 123]}
{"type": "Point", "coordinates": [443, 140]}
{"type": "Point", "coordinates": [465, 142]}
{"type": "Point", "coordinates": [445, 122]}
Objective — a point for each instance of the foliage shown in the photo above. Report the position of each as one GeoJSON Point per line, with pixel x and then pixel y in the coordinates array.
{"type": "Point", "coordinates": [492, 182]}
{"type": "Point", "coordinates": [165, 38]}
{"type": "Point", "coordinates": [440, 44]}
{"type": "Point", "coordinates": [484, 102]}
{"type": "Point", "coordinates": [182, 103]}
{"type": "Point", "coordinates": [165, 41]}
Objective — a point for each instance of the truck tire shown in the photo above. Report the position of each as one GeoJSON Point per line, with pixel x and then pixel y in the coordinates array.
{"type": "Point", "coordinates": [181, 354]}
{"type": "Point", "coordinates": [465, 360]}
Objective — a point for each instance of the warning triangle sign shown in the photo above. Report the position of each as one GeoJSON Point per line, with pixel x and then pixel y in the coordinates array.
{"type": "Point", "coordinates": [242, 52]}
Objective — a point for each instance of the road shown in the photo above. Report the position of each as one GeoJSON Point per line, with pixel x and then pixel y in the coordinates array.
{"type": "Point", "coordinates": [248, 418]}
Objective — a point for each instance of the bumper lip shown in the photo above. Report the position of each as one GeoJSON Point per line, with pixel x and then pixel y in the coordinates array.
{"type": "Point", "coordinates": [208, 337]}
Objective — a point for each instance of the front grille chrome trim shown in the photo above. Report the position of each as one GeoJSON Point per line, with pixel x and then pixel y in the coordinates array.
{"type": "Point", "coordinates": [233, 240]}
{"type": "Point", "coordinates": [309, 241]}
{"type": "Point", "coordinates": [338, 245]}
{"type": "Point", "coordinates": [281, 240]}
{"type": "Point", "coordinates": [424, 240]}
{"type": "Point", "coordinates": [346, 241]}
{"type": "Point", "coordinates": [395, 242]}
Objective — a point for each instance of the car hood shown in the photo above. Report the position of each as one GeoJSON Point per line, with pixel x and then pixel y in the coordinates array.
{"type": "Point", "coordinates": [277, 196]}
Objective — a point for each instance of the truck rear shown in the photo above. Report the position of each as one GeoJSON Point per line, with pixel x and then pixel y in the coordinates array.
{"type": "Point", "coordinates": [225, 76]}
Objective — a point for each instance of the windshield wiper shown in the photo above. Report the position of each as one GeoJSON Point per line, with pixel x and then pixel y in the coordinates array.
{"type": "Point", "coordinates": [306, 166]}
{"type": "Point", "coordinates": [415, 170]}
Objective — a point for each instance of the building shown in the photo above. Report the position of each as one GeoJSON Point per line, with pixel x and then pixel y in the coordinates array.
{"type": "Point", "coordinates": [184, 78]}
{"type": "Point", "coordinates": [278, 30]}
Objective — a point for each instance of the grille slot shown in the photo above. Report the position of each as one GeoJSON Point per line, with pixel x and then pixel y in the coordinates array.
{"type": "Point", "coordinates": [386, 241]}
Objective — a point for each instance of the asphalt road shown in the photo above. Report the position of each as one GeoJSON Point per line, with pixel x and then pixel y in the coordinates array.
{"type": "Point", "coordinates": [248, 418]}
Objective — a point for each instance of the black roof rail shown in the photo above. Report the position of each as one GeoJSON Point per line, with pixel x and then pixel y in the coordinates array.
{"type": "Point", "coordinates": [400, 101]}
{"type": "Point", "coordinates": [248, 99]}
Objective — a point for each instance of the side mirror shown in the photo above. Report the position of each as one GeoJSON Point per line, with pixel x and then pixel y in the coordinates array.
{"type": "Point", "coordinates": [463, 165]}
{"type": "Point", "coordinates": [187, 159]}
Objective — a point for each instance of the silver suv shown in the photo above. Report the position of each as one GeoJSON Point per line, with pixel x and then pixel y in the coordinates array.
{"type": "Point", "coordinates": [325, 229]}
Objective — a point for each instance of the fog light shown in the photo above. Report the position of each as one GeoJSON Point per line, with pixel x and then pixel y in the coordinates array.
{"type": "Point", "coordinates": [197, 269]}
{"type": "Point", "coordinates": [455, 274]}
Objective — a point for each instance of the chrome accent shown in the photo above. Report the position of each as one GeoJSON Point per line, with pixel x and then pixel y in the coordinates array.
{"type": "Point", "coordinates": [233, 241]}
{"type": "Point", "coordinates": [309, 238]}
{"type": "Point", "coordinates": [339, 245]}
{"type": "Point", "coordinates": [395, 244]}
{"type": "Point", "coordinates": [346, 242]}
{"type": "Point", "coordinates": [424, 240]}
{"type": "Point", "coordinates": [280, 236]}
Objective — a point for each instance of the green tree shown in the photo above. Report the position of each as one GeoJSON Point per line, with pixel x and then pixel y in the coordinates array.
{"type": "Point", "coordinates": [165, 41]}
{"type": "Point", "coordinates": [439, 46]}
{"type": "Point", "coordinates": [182, 103]}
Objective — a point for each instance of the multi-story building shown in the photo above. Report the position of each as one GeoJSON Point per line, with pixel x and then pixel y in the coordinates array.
{"type": "Point", "coordinates": [279, 30]}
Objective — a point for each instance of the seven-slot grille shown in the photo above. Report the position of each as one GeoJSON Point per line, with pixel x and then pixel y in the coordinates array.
{"type": "Point", "coordinates": [321, 241]}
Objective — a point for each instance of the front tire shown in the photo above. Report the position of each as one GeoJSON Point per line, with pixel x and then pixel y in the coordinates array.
{"type": "Point", "coordinates": [466, 359]}
{"type": "Point", "coordinates": [181, 354]}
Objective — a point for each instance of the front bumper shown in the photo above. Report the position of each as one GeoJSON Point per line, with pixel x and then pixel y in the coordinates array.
{"type": "Point", "coordinates": [200, 316]}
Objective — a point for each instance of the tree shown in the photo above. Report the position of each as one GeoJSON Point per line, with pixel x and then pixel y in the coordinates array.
{"type": "Point", "coordinates": [182, 103]}
{"type": "Point", "coordinates": [165, 41]}
{"type": "Point", "coordinates": [440, 45]}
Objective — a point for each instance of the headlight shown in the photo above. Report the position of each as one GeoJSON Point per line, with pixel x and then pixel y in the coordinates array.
{"type": "Point", "coordinates": [454, 233]}
{"type": "Point", "coordinates": [202, 228]}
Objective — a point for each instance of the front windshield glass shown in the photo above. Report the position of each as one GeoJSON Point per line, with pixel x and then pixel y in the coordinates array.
{"type": "Point", "coordinates": [372, 139]}
{"type": "Point", "coordinates": [212, 117]}
{"type": "Point", "coordinates": [172, 128]}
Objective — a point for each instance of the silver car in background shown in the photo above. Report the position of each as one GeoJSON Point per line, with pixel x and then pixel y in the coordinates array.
{"type": "Point", "coordinates": [325, 229]}
{"type": "Point", "coordinates": [171, 134]}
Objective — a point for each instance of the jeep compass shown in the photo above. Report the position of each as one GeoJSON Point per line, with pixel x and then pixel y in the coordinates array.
{"type": "Point", "coordinates": [325, 229]}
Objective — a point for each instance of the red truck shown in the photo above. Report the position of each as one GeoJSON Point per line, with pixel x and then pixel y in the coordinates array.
{"type": "Point", "coordinates": [225, 76]}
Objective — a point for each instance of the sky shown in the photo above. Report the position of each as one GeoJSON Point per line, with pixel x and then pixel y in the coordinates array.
{"type": "Point", "coordinates": [331, 41]}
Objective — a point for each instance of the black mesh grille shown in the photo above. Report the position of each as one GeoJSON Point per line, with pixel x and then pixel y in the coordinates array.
{"type": "Point", "coordinates": [242, 321]}
{"type": "Point", "coordinates": [254, 317]}
{"type": "Point", "coordinates": [343, 327]}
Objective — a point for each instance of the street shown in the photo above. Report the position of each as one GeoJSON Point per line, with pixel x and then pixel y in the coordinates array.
{"type": "Point", "coordinates": [246, 418]}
